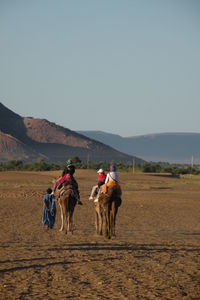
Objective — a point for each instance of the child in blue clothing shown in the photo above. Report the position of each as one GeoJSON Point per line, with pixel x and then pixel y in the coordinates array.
{"type": "Point", "coordinates": [49, 209]}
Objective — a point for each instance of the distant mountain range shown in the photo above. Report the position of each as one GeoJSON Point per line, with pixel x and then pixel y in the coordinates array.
{"type": "Point", "coordinates": [162, 147]}
{"type": "Point", "coordinates": [26, 138]}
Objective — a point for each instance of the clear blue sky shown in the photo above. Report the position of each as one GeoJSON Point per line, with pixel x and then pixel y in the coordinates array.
{"type": "Point", "coordinates": [126, 67]}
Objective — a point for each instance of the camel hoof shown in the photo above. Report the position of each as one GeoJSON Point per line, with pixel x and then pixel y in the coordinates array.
{"type": "Point", "coordinates": [61, 229]}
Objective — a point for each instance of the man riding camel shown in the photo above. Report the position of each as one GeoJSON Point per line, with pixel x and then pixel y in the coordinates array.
{"type": "Point", "coordinates": [101, 181]}
{"type": "Point", "coordinates": [112, 179]}
{"type": "Point", "coordinates": [68, 179]}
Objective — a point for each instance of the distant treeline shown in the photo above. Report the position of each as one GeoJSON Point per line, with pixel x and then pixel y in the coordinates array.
{"type": "Point", "coordinates": [41, 165]}
{"type": "Point", "coordinates": [175, 170]}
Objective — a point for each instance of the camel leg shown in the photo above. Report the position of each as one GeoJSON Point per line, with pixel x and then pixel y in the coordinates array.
{"type": "Point", "coordinates": [115, 215]}
{"type": "Point", "coordinates": [97, 221]}
{"type": "Point", "coordinates": [61, 213]}
{"type": "Point", "coordinates": [71, 221]}
{"type": "Point", "coordinates": [100, 221]}
{"type": "Point", "coordinates": [113, 218]}
{"type": "Point", "coordinates": [109, 224]}
{"type": "Point", "coordinates": [105, 225]}
{"type": "Point", "coordinates": [108, 208]}
{"type": "Point", "coordinates": [106, 232]}
{"type": "Point", "coordinates": [71, 224]}
{"type": "Point", "coordinates": [66, 220]}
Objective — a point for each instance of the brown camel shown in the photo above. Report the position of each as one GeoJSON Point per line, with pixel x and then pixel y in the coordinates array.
{"type": "Point", "coordinates": [67, 199]}
{"type": "Point", "coordinates": [109, 204]}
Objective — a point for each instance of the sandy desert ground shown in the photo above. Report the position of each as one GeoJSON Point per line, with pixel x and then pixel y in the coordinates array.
{"type": "Point", "coordinates": [155, 255]}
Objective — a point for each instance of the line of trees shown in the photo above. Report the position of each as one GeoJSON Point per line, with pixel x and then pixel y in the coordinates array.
{"type": "Point", "coordinates": [41, 165]}
{"type": "Point", "coordinates": [175, 170]}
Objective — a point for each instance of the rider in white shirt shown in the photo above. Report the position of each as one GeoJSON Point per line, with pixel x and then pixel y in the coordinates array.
{"type": "Point", "coordinates": [112, 175]}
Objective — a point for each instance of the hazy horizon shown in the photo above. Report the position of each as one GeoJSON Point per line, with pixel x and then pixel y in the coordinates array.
{"type": "Point", "coordinates": [148, 134]}
{"type": "Point", "coordinates": [124, 67]}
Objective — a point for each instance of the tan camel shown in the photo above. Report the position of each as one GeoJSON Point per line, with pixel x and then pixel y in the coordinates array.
{"type": "Point", "coordinates": [108, 206]}
{"type": "Point", "coordinates": [67, 199]}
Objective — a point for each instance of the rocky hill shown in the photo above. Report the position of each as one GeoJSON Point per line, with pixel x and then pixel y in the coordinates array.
{"type": "Point", "coordinates": [26, 138]}
{"type": "Point", "coordinates": [12, 149]}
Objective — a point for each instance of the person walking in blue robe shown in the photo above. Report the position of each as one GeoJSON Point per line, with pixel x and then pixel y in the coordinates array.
{"type": "Point", "coordinates": [49, 209]}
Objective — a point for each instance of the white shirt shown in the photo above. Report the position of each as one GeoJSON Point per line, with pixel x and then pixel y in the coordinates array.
{"type": "Point", "coordinates": [112, 176]}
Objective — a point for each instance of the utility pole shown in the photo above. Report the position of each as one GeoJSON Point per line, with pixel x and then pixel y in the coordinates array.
{"type": "Point", "coordinates": [192, 162]}
{"type": "Point", "coordinates": [88, 161]}
{"type": "Point", "coordinates": [133, 165]}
